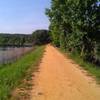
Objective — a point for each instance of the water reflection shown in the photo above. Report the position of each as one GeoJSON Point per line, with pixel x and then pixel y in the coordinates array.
{"type": "Point", "coordinates": [10, 54]}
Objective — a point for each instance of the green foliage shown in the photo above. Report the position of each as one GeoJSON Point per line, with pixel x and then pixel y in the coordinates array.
{"type": "Point", "coordinates": [15, 40]}
{"type": "Point", "coordinates": [12, 74]}
{"type": "Point", "coordinates": [41, 37]}
{"type": "Point", "coordinates": [75, 25]}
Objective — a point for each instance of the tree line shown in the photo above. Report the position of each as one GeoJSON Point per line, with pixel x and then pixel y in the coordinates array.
{"type": "Point", "coordinates": [15, 40]}
{"type": "Point", "coordinates": [37, 37]}
{"type": "Point", "coordinates": [75, 27]}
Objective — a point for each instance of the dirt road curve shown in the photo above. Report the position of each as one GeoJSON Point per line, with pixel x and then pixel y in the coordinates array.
{"type": "Point", "coordinates": [60, 79]}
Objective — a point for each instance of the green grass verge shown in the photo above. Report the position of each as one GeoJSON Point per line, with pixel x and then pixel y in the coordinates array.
{"type": "Point", "coordinates": [12, 74]}
{"type": "Point", "coordinates": [91, 68]}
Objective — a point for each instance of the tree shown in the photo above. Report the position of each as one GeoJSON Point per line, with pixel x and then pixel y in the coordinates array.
{"type": "Point", "coordinates": [41, 37]}
{"type": "Point", "coordinates": [75, 25]}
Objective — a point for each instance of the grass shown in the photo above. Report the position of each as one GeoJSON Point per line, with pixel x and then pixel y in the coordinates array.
{"type": "Point", "coordinates": [12, 74]}
{"type": "Point", "coordinates": [91, 68]}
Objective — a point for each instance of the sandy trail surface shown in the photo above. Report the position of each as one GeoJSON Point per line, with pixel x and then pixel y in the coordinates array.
{"type": "Point", "coordinates": [61, 79]}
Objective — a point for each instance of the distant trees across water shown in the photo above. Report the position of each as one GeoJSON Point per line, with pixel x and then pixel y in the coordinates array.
{"type": "Point", "coordinates": [15, 40]}
{"type": "Point", "coordinates": [38, 37]}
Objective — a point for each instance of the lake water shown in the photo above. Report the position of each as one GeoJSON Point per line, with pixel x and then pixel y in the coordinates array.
{"type": "Point", "coordinates": [10, 54]}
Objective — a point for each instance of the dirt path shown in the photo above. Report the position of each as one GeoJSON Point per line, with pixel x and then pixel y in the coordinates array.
{"type": "Point", "coordinates": [60, 79]}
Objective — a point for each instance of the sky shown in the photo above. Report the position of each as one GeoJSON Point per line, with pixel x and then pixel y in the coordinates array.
{"type": "Point", "coordinates": [23, 16]}
{"type": "Point", "coordinates": [98, 3]}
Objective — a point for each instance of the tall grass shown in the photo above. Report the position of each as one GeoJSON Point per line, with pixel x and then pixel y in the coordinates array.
{"type": "Point", "coordinates": [12, 74]}
{"type": "Point", "coordinates": [89, 67]}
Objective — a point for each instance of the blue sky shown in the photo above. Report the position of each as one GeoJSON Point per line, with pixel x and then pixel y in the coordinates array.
{"type": "Point", "coordinates": [23, 16]}
{"type": "Point", "coordinates": [98, 3]}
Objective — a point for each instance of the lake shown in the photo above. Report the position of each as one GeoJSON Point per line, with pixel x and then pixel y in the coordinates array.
{"type": "Point", "coordinates": [10, 54]}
